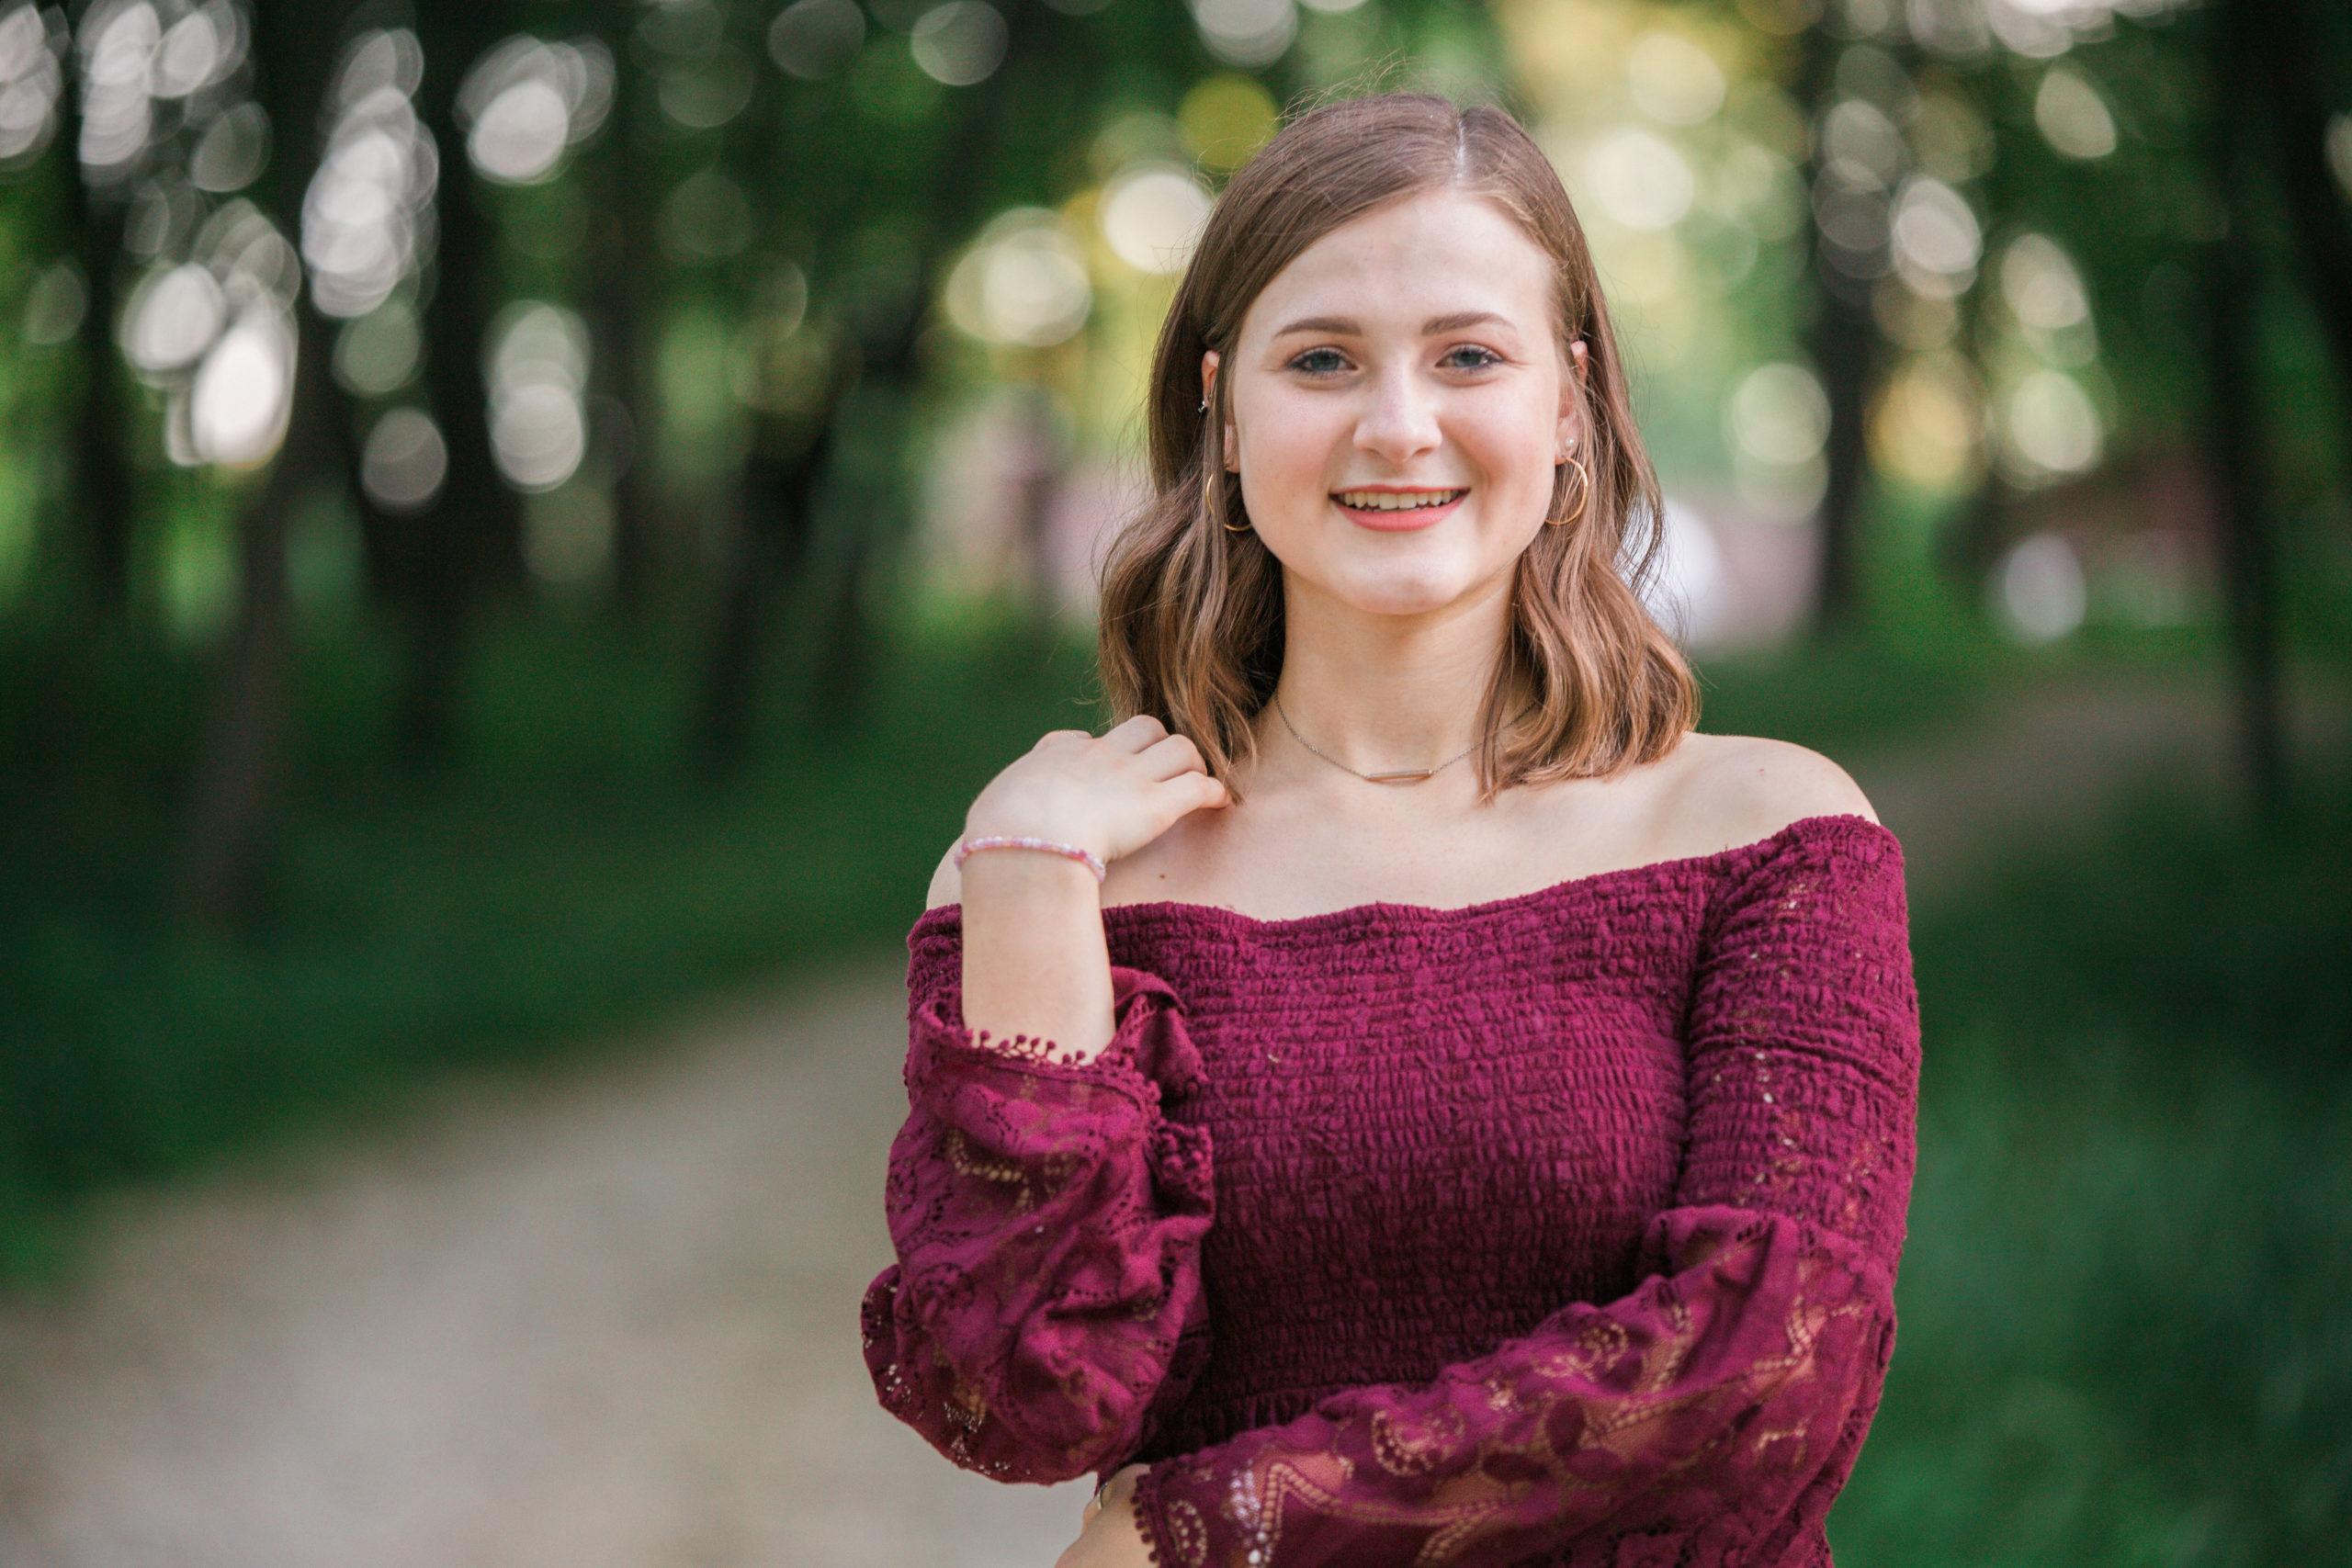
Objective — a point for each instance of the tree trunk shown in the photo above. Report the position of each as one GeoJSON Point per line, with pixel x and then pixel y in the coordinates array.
{"type": "Point", "coordinates": [240, 783]}
{"type": "Point", "coordinates": [103, 500]}
{"type": "Point", "coordinates": [1844, 347]}
{"type": "Point", "coordinates": [470, 541]}
{"type": "Point", "coordinates": [778, 522]}
{"type": "Point", "coordinates": [617, 177]}
{"type": "Point", "coordinates": [239, 778]}
{"type": "Point", "coordinates": [2247, 549]}
{"type": "Point", "coordinates": [2294, 52]}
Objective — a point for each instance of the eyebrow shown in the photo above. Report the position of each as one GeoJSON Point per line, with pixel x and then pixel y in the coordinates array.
{"type": "Point", "coordinates": [1339, 326]}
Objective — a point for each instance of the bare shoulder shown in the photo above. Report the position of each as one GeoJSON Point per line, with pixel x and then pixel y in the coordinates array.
{"type": "Point", "coordinates": [1736, 789]}
{"type": "Point", "coordinates": [946, 883]}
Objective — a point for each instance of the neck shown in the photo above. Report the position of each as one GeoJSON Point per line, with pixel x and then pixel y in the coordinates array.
{"type": "Point", "coordinates": [1383, 693]}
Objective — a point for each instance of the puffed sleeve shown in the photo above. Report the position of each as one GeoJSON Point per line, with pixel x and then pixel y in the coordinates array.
{"type": "Point", "coordinates": [1047, 1218]}
{"type": "Point", "coordinates": [1709, 1416]}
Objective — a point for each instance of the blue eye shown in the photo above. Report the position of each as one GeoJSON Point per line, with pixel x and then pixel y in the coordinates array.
{"type": "Point", "coordinates": [1320, 362]}
{"type": "Point", "coordinates": [1470, 357]}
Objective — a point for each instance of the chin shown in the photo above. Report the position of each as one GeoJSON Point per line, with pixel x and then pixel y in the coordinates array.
{"type": "Point", "coordinates": [1413, 594]}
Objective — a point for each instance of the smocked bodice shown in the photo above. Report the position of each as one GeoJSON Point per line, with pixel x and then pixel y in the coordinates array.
{"type": "Point", "coordinates": [1431, 1126]}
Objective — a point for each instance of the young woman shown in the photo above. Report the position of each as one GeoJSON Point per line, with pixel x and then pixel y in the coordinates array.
{"type": "Point", "coordinates": [1471, 1120]}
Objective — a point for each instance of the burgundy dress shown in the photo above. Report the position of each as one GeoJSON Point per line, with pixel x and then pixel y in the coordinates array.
{"type": "Point", "coordinates": [1560, 1229]}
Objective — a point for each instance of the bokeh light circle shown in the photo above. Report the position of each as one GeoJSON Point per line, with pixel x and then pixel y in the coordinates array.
{"type": "Point", "coordinates": [814, 38]}
{"type": "Point", "coordinates": [404, 461]}
{"type": "Point", "coordinates": [1246, 33]}
{"type": "Point", "coordinates": [1639, 179]}
{"type": "Point", "coordinates": [174, 318]}
{"type": "Point", "coordinates": [1023, 284]}
{"type": "Point", "coordinates": [1778, 414]}
{"type": "Point", "coordinates": [2039, 594]}
{"type": "Point", "coordinates": [1151, 215]}
{"type": "Point", "coordinates": [243, 391]}
{"type": "Point", "coordinates": [959, 43]}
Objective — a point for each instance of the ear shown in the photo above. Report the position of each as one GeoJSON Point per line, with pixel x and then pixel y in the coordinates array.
{"type": "Point", "coordinates": [1570, 433]}
{"type": "Point", "coordinates": [1209, 362]}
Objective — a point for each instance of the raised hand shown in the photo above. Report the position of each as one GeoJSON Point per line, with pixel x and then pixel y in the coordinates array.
{"type": "Point", "coordinates": [1110, 794]}
{"type": "Point", "coordinates": [1034, 958]}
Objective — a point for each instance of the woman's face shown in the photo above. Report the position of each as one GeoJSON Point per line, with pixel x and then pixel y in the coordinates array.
{"type": "Point", "coordinates": [1397, 399]}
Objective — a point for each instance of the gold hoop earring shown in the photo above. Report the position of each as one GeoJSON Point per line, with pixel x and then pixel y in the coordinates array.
{"type": "Point", "coordinates": [1584, 495]}
{"type": "Point", "coordinates": [1229, 528]}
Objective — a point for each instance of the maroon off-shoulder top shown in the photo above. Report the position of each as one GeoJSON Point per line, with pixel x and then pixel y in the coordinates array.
{"type": "Point", "coordinates": [1556, 1230]}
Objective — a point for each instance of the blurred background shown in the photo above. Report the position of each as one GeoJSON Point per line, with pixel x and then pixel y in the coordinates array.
{"type": "Point", "coordinates": [523, 524]}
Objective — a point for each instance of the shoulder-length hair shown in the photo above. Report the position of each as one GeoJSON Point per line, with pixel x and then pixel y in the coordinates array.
{"type": "Point", "coordinates": [1191, 612]}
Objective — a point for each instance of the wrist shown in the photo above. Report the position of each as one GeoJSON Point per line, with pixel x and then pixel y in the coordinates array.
{"type": "Point", "coordinates": [1053, 825]}
{"type": "Point", "coordinates": [1017, 873]}
{"type": "Point", "coordinates": [1026, 844]}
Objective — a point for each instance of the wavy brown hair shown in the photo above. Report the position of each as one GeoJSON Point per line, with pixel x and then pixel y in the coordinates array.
{"type": "Point", "coordinates": [1191, 613]}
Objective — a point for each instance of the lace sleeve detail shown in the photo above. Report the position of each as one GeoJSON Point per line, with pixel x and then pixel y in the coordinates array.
{"type": "Point", "coordinates": [1047, 1219]}
{"type": "Point", "coordinates": [1709, 1416]}
{"type": "Point", "coordinates": [1672, 1413]}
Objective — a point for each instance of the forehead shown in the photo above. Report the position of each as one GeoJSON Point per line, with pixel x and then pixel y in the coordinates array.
{"type": "Point", "coordinates": [1432, 253]}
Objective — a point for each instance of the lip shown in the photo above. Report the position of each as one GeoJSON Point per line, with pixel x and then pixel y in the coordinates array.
{"type": "Point", "coordinates": [1409, 522]}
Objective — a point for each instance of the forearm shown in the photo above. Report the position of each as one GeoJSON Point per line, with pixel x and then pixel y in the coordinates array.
{"type": "Point", "coordinates": [1034, 959]}
{"type": "Point", "coordinates": [1047, 1221]}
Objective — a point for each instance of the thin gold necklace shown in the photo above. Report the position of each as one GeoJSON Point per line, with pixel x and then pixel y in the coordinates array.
{"type": "Point", "coordinates": [1402, 775]}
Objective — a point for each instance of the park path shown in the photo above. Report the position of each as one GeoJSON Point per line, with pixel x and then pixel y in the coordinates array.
{"type": "Point", "coordinates": [609, 1317]}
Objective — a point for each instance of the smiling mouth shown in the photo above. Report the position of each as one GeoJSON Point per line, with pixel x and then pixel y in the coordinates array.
{"type": "Point", "coordinates": [1397, 501]}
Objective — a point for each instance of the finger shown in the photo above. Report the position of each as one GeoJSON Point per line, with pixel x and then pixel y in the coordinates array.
{"type": "Point", "coordinates": [1175, 755]}
{"type": "Point", "coordinates": [1137, 734]}
{"type": "Point", "coordinates": [1195, 792]}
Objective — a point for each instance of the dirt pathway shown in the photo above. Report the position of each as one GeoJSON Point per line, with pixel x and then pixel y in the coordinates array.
{"type": "Point", "coordinates": [611, 1320]}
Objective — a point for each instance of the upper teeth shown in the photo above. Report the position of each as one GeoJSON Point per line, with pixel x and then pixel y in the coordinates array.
{"type": "Point", "coordinates": [1397, 501]}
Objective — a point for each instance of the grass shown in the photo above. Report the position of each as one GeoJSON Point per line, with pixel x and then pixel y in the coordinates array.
{"type": "Point", "coordinates": [2124, 1334]}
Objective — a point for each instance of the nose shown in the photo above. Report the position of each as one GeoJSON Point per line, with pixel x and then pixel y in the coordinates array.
{"type": "Point", "coordinates": [1400, 422]}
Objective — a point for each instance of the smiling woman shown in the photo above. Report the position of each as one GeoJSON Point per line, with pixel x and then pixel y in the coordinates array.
{"type": "Point", "coordinates": [1350, 1155]}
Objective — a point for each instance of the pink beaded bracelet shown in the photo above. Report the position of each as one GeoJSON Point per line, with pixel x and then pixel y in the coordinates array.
{"type": "Point", "coordinates": [1008, 841]}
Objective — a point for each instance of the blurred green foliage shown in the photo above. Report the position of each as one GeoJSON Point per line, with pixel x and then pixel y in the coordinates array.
{"type": "Point", "coordinates": [2123, 1330]}
{"type": "Point", "coordinates": [572, 880]}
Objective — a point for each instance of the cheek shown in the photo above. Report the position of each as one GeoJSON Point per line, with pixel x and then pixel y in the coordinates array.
{"type": "Point", "coordinates": [1281, 463]}
{"type": "Point", "coordinates": [1516, 452]}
